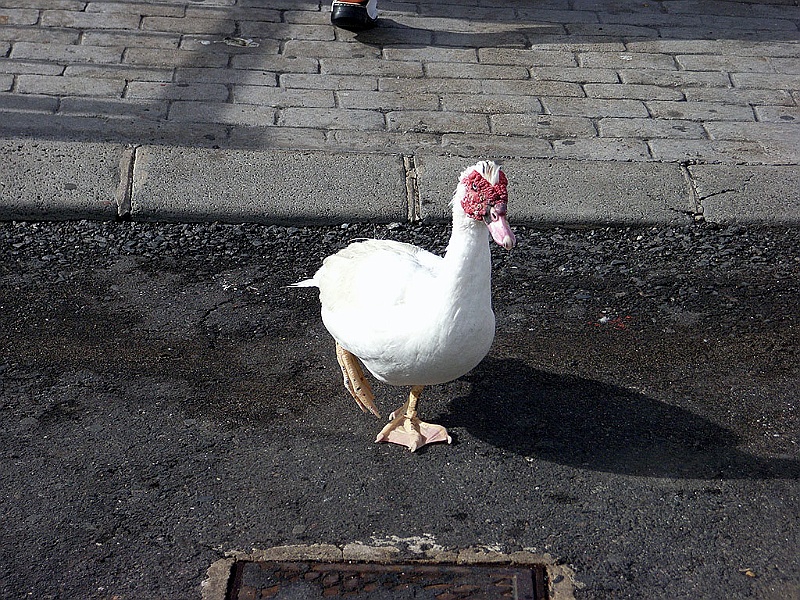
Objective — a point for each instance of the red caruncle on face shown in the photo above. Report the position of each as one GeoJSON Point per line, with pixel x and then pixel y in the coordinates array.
{"type": "Point", "coordinates": [481, 195]}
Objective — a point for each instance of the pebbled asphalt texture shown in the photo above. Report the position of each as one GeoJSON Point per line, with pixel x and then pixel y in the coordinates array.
{"type": "Point", "coordinates": [164, 398]}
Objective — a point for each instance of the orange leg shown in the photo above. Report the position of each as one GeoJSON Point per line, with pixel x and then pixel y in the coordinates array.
{"type": "Point", "coordinates": [407, 430]}
{"type": "Point", "coordinates": [355, 381]}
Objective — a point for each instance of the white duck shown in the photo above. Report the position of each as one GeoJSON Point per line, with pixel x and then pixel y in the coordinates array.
{"type": "Point", "coordinates": [414, 318]}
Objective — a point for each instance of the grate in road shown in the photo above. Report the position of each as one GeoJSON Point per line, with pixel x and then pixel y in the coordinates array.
{"type": "Point", "coordinates": [305, 580]}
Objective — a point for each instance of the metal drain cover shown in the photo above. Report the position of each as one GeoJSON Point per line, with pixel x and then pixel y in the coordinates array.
{"type": "Point", "coordinates": [307, 580]}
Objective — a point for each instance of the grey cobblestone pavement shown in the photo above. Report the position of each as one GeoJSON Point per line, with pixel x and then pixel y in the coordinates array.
{"type": "Point", "coordinates": [678, 82]}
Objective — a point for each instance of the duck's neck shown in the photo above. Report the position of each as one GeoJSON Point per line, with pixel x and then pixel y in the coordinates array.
{"type": "Point", "coordinates": [467, 261]}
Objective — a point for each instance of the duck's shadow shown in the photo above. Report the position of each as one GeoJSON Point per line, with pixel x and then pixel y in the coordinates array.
{"type": "Point", "coordinates": [593, 425]}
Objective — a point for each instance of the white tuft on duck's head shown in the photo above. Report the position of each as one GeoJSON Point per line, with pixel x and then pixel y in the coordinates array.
{"type": "Point", "coordinates": [483, 194]}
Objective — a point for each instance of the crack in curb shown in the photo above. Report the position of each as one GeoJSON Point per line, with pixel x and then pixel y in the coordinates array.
{"type": "Point", "coordinates": [124, 191]}
{"type": "Point", "coordinates": [695, 208]}
{"type": "Point", "coordinates": [413, 200]}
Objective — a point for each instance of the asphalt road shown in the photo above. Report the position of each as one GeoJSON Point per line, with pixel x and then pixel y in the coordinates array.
{"type": "Point", "coordinates": [164, 397]}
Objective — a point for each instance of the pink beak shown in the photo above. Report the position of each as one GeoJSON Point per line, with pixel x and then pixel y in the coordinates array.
{"type": "Point", "coordinates": [500, 229]}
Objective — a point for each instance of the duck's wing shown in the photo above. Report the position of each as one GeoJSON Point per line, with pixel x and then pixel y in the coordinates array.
{"type": "Point", "coordinates": [374, 277]}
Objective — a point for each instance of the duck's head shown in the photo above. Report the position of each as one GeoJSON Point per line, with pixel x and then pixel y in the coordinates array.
{"type": "Point", "coordinates": [484, 197]}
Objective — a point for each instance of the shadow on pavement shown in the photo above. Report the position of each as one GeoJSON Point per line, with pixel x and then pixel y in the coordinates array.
{"type": "Point", "coordinates": [592, 425]}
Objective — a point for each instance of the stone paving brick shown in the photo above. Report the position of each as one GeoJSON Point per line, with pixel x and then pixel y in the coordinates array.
{"type": "Point", "coordinates": [646, 19]}
{"type": "Point", "coordinates": [475, 72]}
{"type": "Point", "coordinates": [6, 81]}
{"type": "Point", "coordinates": [370, 67]}
{"type": "Point", "coordinates": [386, 100]}
{"type": "Point", "coordinates": [233, 13]}
{"type": "Point", "coordinates": [542, 126]}
{"type": "Point", "coordinates": [507, 38]}
{"type": "Point", "coordinates": [315, 81]}
{"type": "Point", "coordinates": [331, 118]}
{"type": "Point", "coordinates": [680, 79]}
{"type": "Point", "coordinates": [211, 92]}
{"type": "Point", "coordinates": [98, 107]}
{"type": "Point", "coordinates": [279, 97]}
{"type": "Point", "coordinates": [19, 16]}
{"type": "Point", "coordinates": [40, 35]}
{"type": "Point", "coordinates": [646, 129]}
{"type": "Point", "coordinates": [491, 103]}
{"type": "Point", "coordinates": [28, 103]}
{"type": "Point", "coordinates": [316, 50]}
{"type": "Point", "coordinates": [575, 44]}
{"type": "Point", "coordinates": [739, 96]}
{"type": "Point", "coordinates": [85, 20]}
{"type": "Point", "coordinates": [576, 75]}
{"type": "Point", "coordinates": [51, 4]}
{"type": "Point", "coordinates": [550, 15]}
{"type": "Point", "coordinates": [494, 12]}
{"type": "Point", "coordinates": [437, 122]}
{"type": "Point", "coordinates": [625, 60]}
{"type": "Point", "coordinates": [155, 57]}
{"type": "Point", "coordinates": [778, 114]}
{"type": "Point", "coordinates": [65, 54]}
{"type": "Point", "coordinates": [216, 44]}
{"type": "Point", "coordinates": [700, 111]}
{"type": "Point", "coordinates": [448, 55]}
{"type": "Point", "coordinates": [306, 17]}
{"type": "Point", "coordinates": [344, 140]}
{"type": "Point", "coordinates": [612, 30]}
{"type": "Point", "coordinates": [593, 107]}
{"type": "Point", "coordinates": [136, 8]}
{"type": "Point", "coordinates": [286, 31]}
{"type": "Point", "coordinates": [526, 58]}
{"type": "Point", "coordinates": [786, 65]}
{"type": "Point", "coordinates": [496, 146]}
{"type": "Point", "coordinates": [675, 46]}
{"type": "Point", "coordinates": [670, 150]}
{"type": "Point", "coordinates": [225, 75]}
{"type": "Point", "coordinates": [716, 62]}
{"type": "Point", "coordinates": [531, 87]}
{"type": "Point", "coordinates": [215, 112]}
{"type": "Point", "coordinates": [741, 10]}
{"type": "Point", "coordinates": [294, 138]}
{"type": "Point", "coordinates": [749, 23]}
{"type": "Point", "coordinates": [725, 130]}
{"type": "Point", "coordinates": [187, 25]}
{"type": "Point", "coordinates": [631, 91]}
{"type": "Point", "coordinates": [625, 149]}
{"type": "Point", "coordinates": [29, 67]}
{"type": "Point", "coordinates": [426, 85]}
{"type": "Point", "coordinates": [761, 47]}
{"type": "Point", "coordinates": [119, 72]}
{"type": "Point", "coordinates": [766, 81]}
{"type": "Point", "coordinates": [126, 130]}
{"type": "Point", "coordinates": [69, 86]}
{"type": "Point", "coordinates": [129, 38]}
{"type": "Point", "coordinates": [275, 63]}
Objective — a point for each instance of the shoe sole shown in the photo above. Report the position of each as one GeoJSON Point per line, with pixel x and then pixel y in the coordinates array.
{"type": "Point", "coordinates": [354, 18]}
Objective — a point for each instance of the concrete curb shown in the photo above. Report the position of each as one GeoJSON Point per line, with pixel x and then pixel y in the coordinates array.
{"type": "Point", "coordinates": [55, 180]}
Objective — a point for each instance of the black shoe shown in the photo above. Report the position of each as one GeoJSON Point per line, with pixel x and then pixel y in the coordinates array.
{"type": "Point", "coordinates": [354, 16]}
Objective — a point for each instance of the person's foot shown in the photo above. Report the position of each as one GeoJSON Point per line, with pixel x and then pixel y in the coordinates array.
{"type": "Point", "coordinates": [355, 16]}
